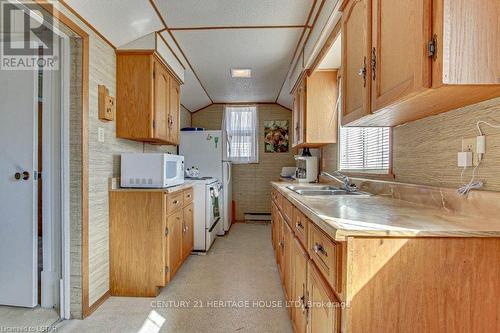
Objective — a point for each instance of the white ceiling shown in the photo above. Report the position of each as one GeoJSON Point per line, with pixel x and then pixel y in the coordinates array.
{"type": "Point", "coordinates": [203, 13]}
{"type": "Point", "coordinates": [213, 53]}
{"type": "Point", "coordinates": [333, 59]}
{"type": "Point", "coordinates": [120, 21]}
{"type": "Point", "coordinates": [193, 97]}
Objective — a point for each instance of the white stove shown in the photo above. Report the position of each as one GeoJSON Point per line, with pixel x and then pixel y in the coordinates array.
{"type": "Point", "coordinates": [207, 211]}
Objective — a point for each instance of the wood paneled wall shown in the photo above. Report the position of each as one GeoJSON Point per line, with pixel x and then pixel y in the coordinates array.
{"type": "Point", "coordinates": [425, 151]}
{"type": "Point", "coordinates": [251, 182]}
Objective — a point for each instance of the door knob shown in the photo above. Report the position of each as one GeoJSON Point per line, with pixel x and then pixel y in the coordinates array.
{"type": "Point", "coordinates": [25, 175]}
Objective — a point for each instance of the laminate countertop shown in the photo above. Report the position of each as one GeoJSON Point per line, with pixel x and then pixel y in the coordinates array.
{"type": "Point", "coordinates": [168, 190]}
{"type": "Point", "coordinates": [381, 216]}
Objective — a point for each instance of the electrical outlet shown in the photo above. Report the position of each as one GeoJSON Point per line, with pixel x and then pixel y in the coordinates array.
{"type": "Point", "coordinates": [470, 144]}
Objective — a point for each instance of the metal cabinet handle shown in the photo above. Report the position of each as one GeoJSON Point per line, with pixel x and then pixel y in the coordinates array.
{"type": "Point", "coordinates": [175, 202]}
{"type": "Point", "coordinates": [362, 72]}
{"type": "Point", "coordinates": [318, 248]}
{"type": "Point", "coordinates": [299, 225]}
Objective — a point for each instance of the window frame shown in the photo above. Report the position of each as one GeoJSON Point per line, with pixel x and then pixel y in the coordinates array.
{"type": "Point", "coordinates": [371, 175]}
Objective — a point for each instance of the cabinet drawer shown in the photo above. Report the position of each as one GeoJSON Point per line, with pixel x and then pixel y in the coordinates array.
{"type": "Point", "coordinates": [174, 202]}
{"type": "Point", "coordinates": [287, 209]}
{"type": "Point", "coordinates": [277, 198]}
{"type": "Point", "coordinates": [188, 196]}
{"type": "Point", "coordinates": [300, 224]}
{"type": "Point", "coordinates": [326, 254]}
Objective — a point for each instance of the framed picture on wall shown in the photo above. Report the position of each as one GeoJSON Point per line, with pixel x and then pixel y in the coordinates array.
{"type": "Point", "coordinates": [276, 136]}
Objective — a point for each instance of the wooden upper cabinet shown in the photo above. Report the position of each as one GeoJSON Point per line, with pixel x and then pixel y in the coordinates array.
{"type": "Point", "coordinates": [356, 68]}
{"type": "Point", "coordinates": [147, 98]}
{"type": "Point", "coordinates": [401, 66]}
{"type": "Point", "coordinates": [426, 57]}
{"type": "Point", "coordinates": [161, 102]}
{"type": "Point", "coordinates": [315, 110]}
{"type": "Point", "coordinates": [468, 33]}
{"type": "Point", "coordinates": [174, 112]}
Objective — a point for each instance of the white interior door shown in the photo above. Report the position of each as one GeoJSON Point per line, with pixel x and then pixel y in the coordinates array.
{"type": "Point", "coordinates": [18, 197]}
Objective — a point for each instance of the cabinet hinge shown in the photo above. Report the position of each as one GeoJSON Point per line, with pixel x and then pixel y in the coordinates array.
{"type": "Point", "coordinates": [154, 73]}
{"type": "Point", "coordinates": [166, 231]}
{"type": "Point", "coordinates": [154, 124]}
{"type": "Point", "coordinates": [432, 47]}
{"type": "Point", "coordinates": [167, 269]}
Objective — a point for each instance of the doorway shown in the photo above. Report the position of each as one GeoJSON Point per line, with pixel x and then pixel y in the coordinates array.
{"type": "Point", "coordinates": [34, 247]}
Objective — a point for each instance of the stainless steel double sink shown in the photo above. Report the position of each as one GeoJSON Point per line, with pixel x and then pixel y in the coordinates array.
{"type": "Point", "coordinates": [326, 190]}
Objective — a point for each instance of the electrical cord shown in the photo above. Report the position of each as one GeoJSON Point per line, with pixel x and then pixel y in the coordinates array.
{"type": "Point", "coordinates": [464, 190]}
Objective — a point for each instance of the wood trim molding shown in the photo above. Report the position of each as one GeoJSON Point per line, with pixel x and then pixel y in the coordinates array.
{"type": "Point", "coordinates": [99, 302]}
{"type": "Point", "coordinates": [84, 148]}
{"type": "Point", "coordinates": [166, 28]}
{"type": "Point", "coordinates": [185, 107]}
{"type": "Point", "coordinates": [170, 48]}
{"type": "Point", "coordinates": [74, 12]}
{"type": "Point", "coordinates": [234, 27]}
{"type": "Point", "coordinates": [239, 103]}
{"type": "Point", "coordinates": [299, 42]}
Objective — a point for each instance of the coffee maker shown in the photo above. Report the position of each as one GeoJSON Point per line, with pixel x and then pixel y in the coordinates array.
{"type": "Point", "coordinates": [307, 169]}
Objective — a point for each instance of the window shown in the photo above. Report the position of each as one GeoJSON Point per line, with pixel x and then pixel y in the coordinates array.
{"type": "Point", "coordinates": [240, 134]}
{"type": "Point", "coordinates": [365, 149]}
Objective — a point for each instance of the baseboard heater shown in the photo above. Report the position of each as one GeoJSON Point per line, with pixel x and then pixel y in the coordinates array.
{"type": "Point", "coordinates": [257, 217]}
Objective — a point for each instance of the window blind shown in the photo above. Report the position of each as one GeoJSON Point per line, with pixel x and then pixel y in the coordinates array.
{"type": "Point", "coordinates": [365, 149]}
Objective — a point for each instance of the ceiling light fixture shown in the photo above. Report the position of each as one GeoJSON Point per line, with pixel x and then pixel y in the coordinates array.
{"type": "Point", "coordinates": [241, 72]}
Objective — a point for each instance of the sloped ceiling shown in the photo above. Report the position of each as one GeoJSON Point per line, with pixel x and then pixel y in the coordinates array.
{"type": "Point", "coordinates": [120, 21]}
{"type": "Point", "coordinates": [212, 36]}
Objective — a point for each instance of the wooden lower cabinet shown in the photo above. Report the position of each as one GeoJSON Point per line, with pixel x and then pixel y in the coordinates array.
{"type": "Point", "coordinates": [312, 304]}
{"type": "Point", "coordinates": [288, 272]}
{"type": "Point", "coordinates": [323, 306]}
{"type": "Point", "coordinates": [173, 248]}
{"type": "Point", "coordinates": [387, 284]}
{"type": "Point", "coordinates": [300, 261]}
{"type": "Point", "coordinates": [150, 236]}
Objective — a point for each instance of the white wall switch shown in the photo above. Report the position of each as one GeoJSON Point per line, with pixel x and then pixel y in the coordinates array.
{"type": "Point", "coordinates": [465, 159]}
{"type": "Point", "coordinates": [100, 134]}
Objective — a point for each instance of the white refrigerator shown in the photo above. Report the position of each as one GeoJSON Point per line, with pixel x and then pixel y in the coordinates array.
{"type": "Point", "coordinates": [203, 150]}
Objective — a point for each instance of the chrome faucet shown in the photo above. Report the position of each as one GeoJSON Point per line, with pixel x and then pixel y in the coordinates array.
{"type": "Point", "coordinates": [340, 177]}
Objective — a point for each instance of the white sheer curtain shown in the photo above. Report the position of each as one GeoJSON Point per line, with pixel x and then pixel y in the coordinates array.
{"type": "Point", "coordinates": [241, 126]}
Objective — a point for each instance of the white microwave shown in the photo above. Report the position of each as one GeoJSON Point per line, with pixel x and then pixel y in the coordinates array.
{"type": "Point", "coordinates": [151, 170]}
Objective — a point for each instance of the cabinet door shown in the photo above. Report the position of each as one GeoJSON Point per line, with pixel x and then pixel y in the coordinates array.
{"type": "Point", "coordinates": [174, 243]}
{"type": "Point", "coordinates": [400, 36]}
{"type": "Point", "coordinates": [295, 119]}
{"type": "Point", "coordinates": [161, 102]}
{"type": "Point", "coordinates": [468, 41]}
{"type": "Point", "coordinates": [356, 60]}
{"type": "Point", "coordinates": [287, 259]}
{"type": "Point", "coordinates": [174, 112]}
{"type": "Point", "coordinates": [299, 286]}
{"type": "Point", "coordinates": [187, 231]}
{"type": "Point", "coordinates": [324, 314]}
{"type": "Point", "coordinates": [302, 111]}
{"type": "Point", "coordinates": [281, 243]}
